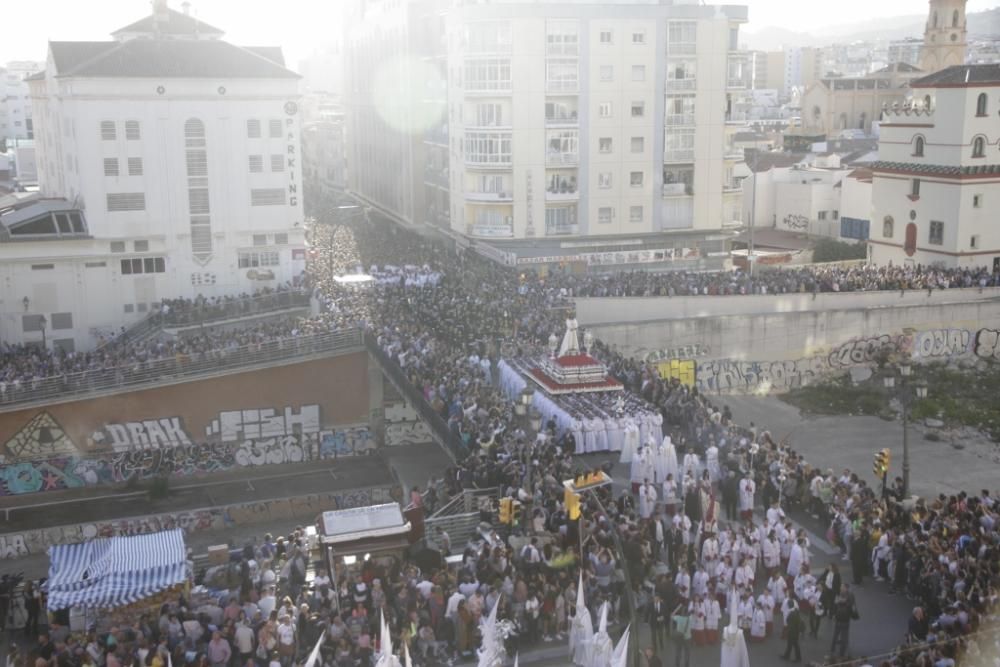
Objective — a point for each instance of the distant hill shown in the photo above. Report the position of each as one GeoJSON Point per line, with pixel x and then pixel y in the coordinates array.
{"type": "Point", "coordinates": [772, 38]}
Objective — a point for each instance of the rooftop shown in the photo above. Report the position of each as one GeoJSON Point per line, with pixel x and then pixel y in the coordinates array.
{"type": "Point", "coordinates": [167, 58]}
{"type": "Point", "coordinates": [961, 76]}
{"type": "Point", "coordinates": [172, 23]}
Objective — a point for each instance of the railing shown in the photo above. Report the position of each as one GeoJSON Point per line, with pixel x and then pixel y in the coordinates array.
{"type": "Point", "coordinates": [489, 196]}
{"type": "Point", "coordinates": [466, 501]}
{"type": "Point", "coordinates": [489, 86]}
{"type": "Point", "coordinates": [682, 84]}
{"type": "Point", "coordinates": [681, 48]}
{"type": "Point", "coordinates": [136, 374]}
{"type": "Point", "coordinates": [553, 158]}
{"type": "Point", "coordinates": [231, 309]}
{"type": "Point", "coordinates": [677, 189]}
{"type": "Point", "coordinates": [680, 119]}
{"type": "Point", "coordinates": [562, 85]}
{"type": "Point", "coordinates": [562, 119]}
{"type": "Point", "coordinates": [679, 155]}
{"type": "Point", "coordinates": [138, 331]}
{"type": "Point", "coordinates": [451, 441]}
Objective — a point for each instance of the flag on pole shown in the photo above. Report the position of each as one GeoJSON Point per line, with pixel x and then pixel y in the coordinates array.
{"type": "Point", "coordinates": [314, 654]}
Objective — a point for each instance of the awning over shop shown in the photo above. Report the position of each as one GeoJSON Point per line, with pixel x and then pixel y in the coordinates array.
{"type": "Point", "coordinates": [116, 571]}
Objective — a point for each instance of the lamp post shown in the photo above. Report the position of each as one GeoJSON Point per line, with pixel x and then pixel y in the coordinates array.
{"type": "Point", "coordinates": [906, 399]}
{"type": "Point", "coordinates": [42, 322]}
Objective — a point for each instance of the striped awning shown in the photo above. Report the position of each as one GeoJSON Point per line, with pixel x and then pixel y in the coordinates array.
{"type": "Point", "coordinates": [115, 571]}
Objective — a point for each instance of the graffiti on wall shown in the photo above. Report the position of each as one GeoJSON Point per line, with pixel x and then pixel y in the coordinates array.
{"type": "Point", "coordinates": [796, 221]}
{"type": "Point", "coordinates": [681, 352]}
{"type": "Point", "coordinates": [41, 437]}
{"type": "Point", "coordinates": [732, 375]}
{"type": "Point", "coordinates": [147, 434]}
{"type": "Point", "coordinates": [264, 423]}
{"type": "Point", "coordinates": [181, 460]}
{"type": "Point", "coordinates": [16, 545]}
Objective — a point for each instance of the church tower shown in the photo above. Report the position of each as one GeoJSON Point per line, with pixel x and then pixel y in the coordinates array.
{"type": "Point", "coordinates": [944, 36]}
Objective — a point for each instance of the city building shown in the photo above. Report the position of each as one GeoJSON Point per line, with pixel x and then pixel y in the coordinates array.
{"type": "Point", "coordinates": [168, 166]}
{"type": "Point", "coordinates": [324, 162]}
{"type": "Point", "coordinates": [905, 51]}
{"type": "Point", "coordinates": [769, 71]}
{"type": "Point", "coordinates": [15, 100]}
{"type": "Point", "coordinates": [562, 121]}
{"type": "Point", "coordinates": [945, 36]}
{"type": "Point", "coordinates": [803, 66]}
{"type": "Point", "coordinates": [937, 181]}
{"type": "Point", "coordinates": [832, 105]}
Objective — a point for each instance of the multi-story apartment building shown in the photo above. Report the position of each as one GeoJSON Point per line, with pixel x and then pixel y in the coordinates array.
{"type": "Point", "coordinates": [15, 100]}
{"type": "Point", "coordinates": [936, 186]}
{"type": "Point", "coordinates": [169, 166]}
{"type": "Point", "coordinates": [577, 120]}
{"type": "Point", "coordinates": [905, 51]}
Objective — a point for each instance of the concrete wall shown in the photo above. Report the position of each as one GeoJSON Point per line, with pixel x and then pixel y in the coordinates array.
{"type": "Point", "coordinates": [765, 352]}
{"type": "Point", "coordinates": [295, 510]}
{"type": "Point", "coordinates": [600, 311]}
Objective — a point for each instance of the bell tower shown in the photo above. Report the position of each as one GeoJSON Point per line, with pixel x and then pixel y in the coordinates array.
{"type": "Point", "coordinates": [944, 36]}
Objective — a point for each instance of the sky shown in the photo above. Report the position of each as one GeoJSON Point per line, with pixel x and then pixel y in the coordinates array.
{"type": "Point", "coordinates": [301, 26]}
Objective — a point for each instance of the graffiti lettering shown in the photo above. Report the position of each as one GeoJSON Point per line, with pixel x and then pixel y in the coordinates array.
{"type": "Point", "coordinates": [264, 423]}
{"type": "Point", "coordinates": [264, 452]}
{"type": "Point", "coordinates": [942, 343]}
{"type": "Point", "coordinates": [12, 546]}
{"type": "Point", "coordinates": [796, 221]}
{"type": "Point", "coordinates": [683, 352]}
{"type": "Point", "coordinates": [988, 344]}
{"type": "Point", "coordinates": [749, 376]}
{"type": "Point", "coordinates": [863, 351]}
{"type": "Point", "coordinates": [148, 434]}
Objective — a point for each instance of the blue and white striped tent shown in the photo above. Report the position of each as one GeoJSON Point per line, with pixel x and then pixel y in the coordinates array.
{"type": "Point", "coordinates": [116, 571]}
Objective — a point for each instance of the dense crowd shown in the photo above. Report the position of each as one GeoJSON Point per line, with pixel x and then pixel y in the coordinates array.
{"type": "Point", "coordinates": [678, 551]}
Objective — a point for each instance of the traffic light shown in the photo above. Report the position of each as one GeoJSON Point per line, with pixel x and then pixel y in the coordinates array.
{"type": "Point", "coordinates": [881, 464]}
{"type": "Point", "coordinates": [505, 510]}
{"type": "Point", "coordinates": [572, 502]}
{"type": "Point", "coordinates": [515, 512]}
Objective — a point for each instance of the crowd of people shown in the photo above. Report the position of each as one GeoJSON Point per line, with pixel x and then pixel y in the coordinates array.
{"type": "Point", "coordinates": [675, 549]}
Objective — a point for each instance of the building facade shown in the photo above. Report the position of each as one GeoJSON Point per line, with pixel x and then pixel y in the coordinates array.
{"type": "Point", "coordinates": [937, 182]}
{"type": "Point", "coordinates": [16, 120]}
{"type": "Point", "coordinates": [945, 36]}
{"type": "Point", "coordinates": [169, 166]}
{"type": "Point", "coordinates": [560, 120]}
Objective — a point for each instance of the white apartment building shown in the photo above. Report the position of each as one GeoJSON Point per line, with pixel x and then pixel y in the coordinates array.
{"type": "Point", "coordinates": [169, 166]}
{"type": "Point", "coordinates": [579, 122]}
{"type": "Point", "coordinates": [936, 186]}
{"type": "Point", "coordinates": [15, 100]}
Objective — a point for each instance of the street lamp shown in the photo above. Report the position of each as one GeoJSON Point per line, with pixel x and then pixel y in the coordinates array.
{"type": "Point", "coordinates": [41, 323]}
{"type": "Point", "coordinates": [906, 399]}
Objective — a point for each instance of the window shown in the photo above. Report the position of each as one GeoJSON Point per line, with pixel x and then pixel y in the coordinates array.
{"type": "Point", "coordinates": [488, 37]}
{"type": "Point", "coordinates": [487, 74]}
{"type": "Point", "coordinates": [887, 224]}
{"type": "Point", "coordinates": [936, 235]}
{"type": "Point", "coordinates": [981, 104]}
{"type": "Point", "coordinates": [635, 214]}
{"type": "Point", "coordinates": [835, 215]}
{"type": "Point", "coordinates": [132, 130]}
{"type": "Point", "coordinates": [267, 197]}
{"type": "Point", "coordinates": [62, 320]}
{"type": "Point", "coordinates": [978, 147]}
{"type": "Point", "coordinates": [918, 147]}
{"type": "Point", "coordinates": [252, 260]}
{"type": "Point", "coordinates": [260, 239]}
{"type": "Point", "coordinates": [135, 166]}
{"type": "Point", "coordinates": [129, 308]}
{"type": "Point", "coordinates": [605, 214]}
{"type": "Point", "coordinates": [95, 265]}
{"type": "Point", "coordinates": [604, 110]}
{"type": "Point", "coordinates": [638, 144]}
{"type": "Point", "coordinates": [607, 37]}
{"type": "Point", "coordinates": [635, 179]}
{"type": "Point", "coordinates": [31, 323]}
{"type": "Point", "coordinates": [141, 246]}
{"type": "Point", "coordinates": [108, 130]}
{"type": "Point", "coordinates": [974, 241]}
{"type": "Point", "coordinates": [126, 201]}
{"type": "Point", "coordinates": [274, 128]}
{"type": "Point", "coordinates": [607, 73]}
{"type": "Point", "coordinates": [638, 109]}
{"type": "Point", "coordinates": [822, 215]}
{"type": "Point", "coordinates": [489, 114]}
{"type": "Point", "coordinates": [488, 147]}
{"type": "Point", "coordinates": [256, 164]}
{"type": "Point", "coordinates": [196, 158]}
{"type": "Point", "coordinates": [277, 162]}
{"type": "Point", "coordinates": [281, 239]}
{"type": "Point", "coordinates": [253, 129]}
{"type": "Point", "coordinates": [604, 144]}
{"type": "Point", "coordinates": [110, 166]}
{"type": "Point", "coordinates": [42, 267]}
{"type": "Point", "coordinates": [915, 187]}
{"type": "Point", "coordinates": [604, 180]}
{"type": "Point", "coordinates": [977, 201]}
{"type": "Point", "coordinates": [638, 72]}
{"type": "Point", "coordinates": [139, 265]}
{"type": "Point", "coordinates": [117, 246]}
{"type": "Point", "coordinates": [639, 37]}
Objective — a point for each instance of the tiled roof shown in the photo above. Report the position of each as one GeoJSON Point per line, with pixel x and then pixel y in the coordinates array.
{"type": "Point", "coordinates": [936, 169]}
{"type": "Point", "coordinates": [177, 23]}
{"type": "Point", "coordinates": [959, 75]}
{"type": "Point", "coordinates": [168, 58]}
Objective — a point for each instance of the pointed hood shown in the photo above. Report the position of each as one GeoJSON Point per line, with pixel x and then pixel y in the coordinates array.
{"type": "Point", "coordinates": [407, 661]}
{"type": "Point", "coordinates": [620, 656]}
{"type": "Point", "coordinates": [580, 602]}
{"type": "Point", "coordinates": [602, 625]}
{"type": "Point", "coordinates": [385, 638]}
{"type": "Point", "coordinates": [516, 656]}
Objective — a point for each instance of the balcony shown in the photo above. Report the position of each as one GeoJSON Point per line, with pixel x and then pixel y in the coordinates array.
{"type": "Point", "coordinates": [436, 177]}
{"type": "Point", "coordinates": [561, 120]}
{"type": "Point", "coordinates": [682, 84]}
{"type": "Point", "coordinates": [682, 48]}
{"type": "Point", "coordinates": [732, 187]}
{"type": "Point", "coordinates": [677, 190]}
{"type": "Point", "coordinates": [733, 153]}
{"type": "Point", "coordinates": [737, 117]}
{"type": "Point", "coordinates": [562, 85]}
{"type": "Point", "coordinates": [680, 120]}
{"type": "Point", "coordinates": [562, 49]}
{"type": "Point", "coordinates": [564, 193]}
{"type": "Point", "coordinates": [555, 159]}
{"type": "Point", "coordinates": [489, 197]}
{"type": "Point", "coordinates": [679, 155]}
{"type": "Point", "coordinates": [736, 83]}
{"type": "Point", "coordinates": [489, 87]}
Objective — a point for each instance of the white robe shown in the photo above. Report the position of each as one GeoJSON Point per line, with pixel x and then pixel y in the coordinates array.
{"type": "Point", "coordinates": [670, 456]}
{"type": "Point", "coordinates": [712, 463]}
{"type": "Point", "coordinates": [601, 435]}
{"type": "Point", "coordinates": [647, 500]}
{"type": "Point", "coordinates": [615, 436]}
{"type": "Point", "coordinates": [590, 435]}
{"type": "Point", "coordinates": [630, 447]}
{"type": "Point", "coordinates": [660, 464]}
{"type": "Point", "coordinates": [691, 464]}
{"type": "Point", "coordinates": [795, 561]}
{"type": "Point", "coordinates": [747, 489]}
{"type": "Point", "coordinates": [576, 428]}
{"type": "Point", "coordinates": [758, 623]}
